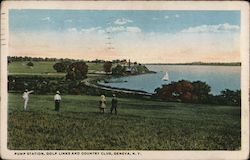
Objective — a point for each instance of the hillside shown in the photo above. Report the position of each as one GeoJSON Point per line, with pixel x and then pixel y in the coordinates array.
{"type": "Point", "coordinates": [140, 125]}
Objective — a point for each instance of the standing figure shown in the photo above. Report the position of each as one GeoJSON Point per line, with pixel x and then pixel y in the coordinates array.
{"type": "Point", "coordinates": [114, 104]}
{"type": "Point", "coordinates": [57, 99]}
{"type": "Point", "coordinates": [26, 98]}
{"type": "Point", "coordinates": [102, 104]}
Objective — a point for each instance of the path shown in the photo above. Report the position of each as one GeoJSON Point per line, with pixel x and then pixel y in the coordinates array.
{"type": "Point", "coordinates": [87, 83]}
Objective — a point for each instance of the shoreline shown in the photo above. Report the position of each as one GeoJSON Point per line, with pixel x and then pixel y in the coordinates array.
{"type": "Point", "coordinates": [196, 64]}
{"type": "Point", "coordinates": [93, 82]}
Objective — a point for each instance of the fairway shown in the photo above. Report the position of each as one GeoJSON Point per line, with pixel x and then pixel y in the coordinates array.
{"type": "Point", "coordinates": [139, 125]}
{"type": "Point", "coordinates": [39, 67]}
{"type": "Point", "coordinates": [43, 67]}
{"type": "Point", "coordinates": [95, 67]}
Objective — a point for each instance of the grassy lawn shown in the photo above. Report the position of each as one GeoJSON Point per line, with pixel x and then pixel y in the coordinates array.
{"type": "Point", "coordinates": [139, 125]}
{"type": "Point", "coordinates": [43, 68]}
{"type": "Point", "coordinates": [39, 67]}
{"type": "Point", "coordinates": [95, 67]}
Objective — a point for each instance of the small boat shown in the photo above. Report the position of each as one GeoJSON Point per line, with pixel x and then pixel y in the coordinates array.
{"type": "Point", "coordinates": [165, 78]}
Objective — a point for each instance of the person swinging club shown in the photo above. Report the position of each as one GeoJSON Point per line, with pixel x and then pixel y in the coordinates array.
{"type": "Point", "coordinates": [26, 98]}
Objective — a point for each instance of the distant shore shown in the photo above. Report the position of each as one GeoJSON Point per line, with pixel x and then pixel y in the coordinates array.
{"type": "Point", "coordinates": [200, 63]}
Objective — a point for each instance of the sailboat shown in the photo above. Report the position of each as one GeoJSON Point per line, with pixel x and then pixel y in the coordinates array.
{"type": "Point", "coordinates": [165, 78]}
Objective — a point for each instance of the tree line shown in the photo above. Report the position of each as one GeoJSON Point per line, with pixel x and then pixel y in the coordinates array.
{"type": "Point", "coordinates": [36, 59]}
{"type": "Point", "coordinates": [196, 92]}
{"type": "Point", "coordinates": [73, 69]}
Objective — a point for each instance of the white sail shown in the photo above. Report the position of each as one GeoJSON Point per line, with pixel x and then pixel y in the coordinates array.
{"type": "Point", "coordinates": [165, 78]}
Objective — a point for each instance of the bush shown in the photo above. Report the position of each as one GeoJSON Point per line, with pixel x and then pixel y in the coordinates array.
{"type": "Point", "coordinates": [30, 64]}
{"type": "Point", "coordinates": [41, 84]}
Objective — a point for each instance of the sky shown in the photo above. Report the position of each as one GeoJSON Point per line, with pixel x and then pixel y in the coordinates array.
{"type": "Point", "coordinates": [146, 36]}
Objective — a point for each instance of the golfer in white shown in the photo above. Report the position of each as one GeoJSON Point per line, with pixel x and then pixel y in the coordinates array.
{"type": "Point", "coordinates": [26, 98]}
{"type": "Point", "coordinates": [57, 99]}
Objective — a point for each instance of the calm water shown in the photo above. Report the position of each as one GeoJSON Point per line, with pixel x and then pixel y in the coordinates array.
{"type": "Point", "coordinates": [218, 77]}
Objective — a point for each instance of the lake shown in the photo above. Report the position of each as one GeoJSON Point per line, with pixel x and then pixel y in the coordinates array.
{"type": "Point", "coordinates": [218, 77]}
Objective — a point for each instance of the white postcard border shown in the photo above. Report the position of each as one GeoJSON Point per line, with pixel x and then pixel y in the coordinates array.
{"type": "Point", "coordinates": [132, 5]}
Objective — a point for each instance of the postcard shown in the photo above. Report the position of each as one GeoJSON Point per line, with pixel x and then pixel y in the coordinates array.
{"type": "Point", "coordinates": [124, 80]}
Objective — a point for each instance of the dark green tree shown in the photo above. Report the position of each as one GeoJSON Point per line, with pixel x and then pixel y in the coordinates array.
{"type": "Point", "coordinates": [107, 67]}
{"type": "Point", "coordinates": [77, 71]}
{"type": "Point", "coordinates": [201, 90]}
{"type": "Point", "coordinates": [230, 97]}
{"type": "Point", "coordinates": [61, 66]}
{"type": "Point", "coordinates": [30, 64]}
{"type": "Point", "coordinates": [118, 70]}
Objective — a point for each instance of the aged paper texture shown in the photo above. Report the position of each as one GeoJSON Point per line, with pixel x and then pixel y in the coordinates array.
{"type": "Point", "coordinates": [124, 80]}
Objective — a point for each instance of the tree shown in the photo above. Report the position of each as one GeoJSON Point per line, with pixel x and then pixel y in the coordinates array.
{"type": "Point", "coordinates": [118, 70]}
{"type": "Point", "coordinates": [166, 92]}
{"type": "Point", "coordinates": [96, 61]}
{"type": "Point", "coordinates": [180, 90]}
{"type": "Point", "coordinates": [201, 90]}
{"type": "Point", "coordinates": [177, 91]}
{"type": "Point", "coordinates": [61, 66]}
{"type": "Point", "coordinates": [107, 66]}
{"type": "Point", "coordinates": [77, 71]}
{"type": "Point", "coordinates": [230, 97]}
{"type": "Point", "coordinates": [30, 64]}
{"type": "Point", "coordinates": [116, 61]}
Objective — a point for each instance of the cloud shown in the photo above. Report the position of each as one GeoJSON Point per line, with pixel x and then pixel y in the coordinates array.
{"type": "Point", "coordinates": [89, 30]}
{"type": "Point", "coordinates": [86, 30]}
{"type": "Point", "coordinates": [115, 29]}
{"type": "Point", "coordinates": [177, 16]}
{"type": "Point", "coordinates": [46, 19]}
{"type": "Point", "coordinates": [133, 29]}
{"type": "Point", "coordinates": [122, 21]}
{"type": "Point", "coordinates": [194, 47]}
{"type": "Point", "coordinates": [72, 30]}
{"type": "Point", "coordinates": [100, 30]}
{"type": "Point", "coordinates": [142, 47]}
{"type": "Point", "coordinates": [212, 28]}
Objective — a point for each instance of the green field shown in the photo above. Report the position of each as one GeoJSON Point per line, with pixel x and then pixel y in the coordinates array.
{"type": "Point", "coordinates": [39, 67]}
{"type": "Point", "coordinates": [43, 68]}
{"type": "Point", "coordinates": [139, 125]}
{"type": "Point", "coordinates": [95, 67]}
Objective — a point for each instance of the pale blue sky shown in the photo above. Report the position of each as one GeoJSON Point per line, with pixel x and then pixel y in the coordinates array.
{"type": "Point", "coordinates": [165, 21]}
{"type": "Point", "coordinates": [165, 36]}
